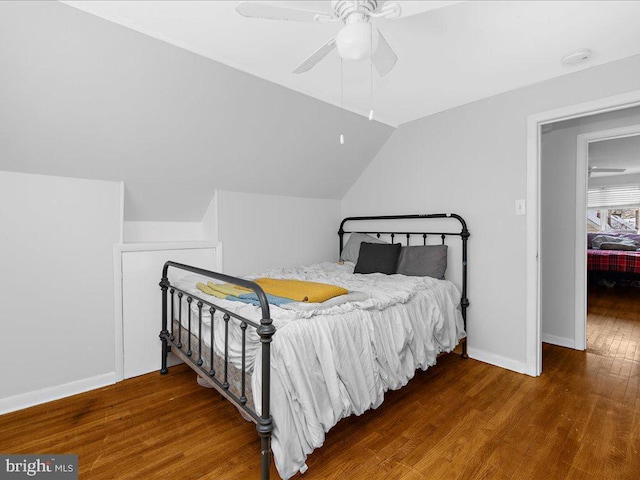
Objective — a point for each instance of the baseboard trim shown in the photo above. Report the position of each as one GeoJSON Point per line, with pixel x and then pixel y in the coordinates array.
{"type": "Point", "coordinates": [36, 397]}
{"type": "Point", "coordinates": [560, 341]}
{"type": "Point", "coordinates": [498, 360]}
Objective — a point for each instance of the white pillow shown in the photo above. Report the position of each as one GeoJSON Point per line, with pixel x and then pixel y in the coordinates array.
{"type": "Point", "coordinates": [351, 250]}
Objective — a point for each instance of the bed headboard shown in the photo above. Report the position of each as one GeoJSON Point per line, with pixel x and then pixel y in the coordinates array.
{"type": "Point", "coordinates": [424, 234]}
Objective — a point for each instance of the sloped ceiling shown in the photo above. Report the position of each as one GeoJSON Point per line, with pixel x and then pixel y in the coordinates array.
{"type": "Point", "coordinates": [84, 97]}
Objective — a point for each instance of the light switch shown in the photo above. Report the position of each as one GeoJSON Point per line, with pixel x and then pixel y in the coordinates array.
{"type": "Point", "coordinates": [521, 207]}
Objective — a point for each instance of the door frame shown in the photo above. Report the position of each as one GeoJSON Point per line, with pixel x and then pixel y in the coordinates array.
{"type": "Point", "coordinates": [534, 124]}
{"type": "Point", "coordinates": [582, 185]}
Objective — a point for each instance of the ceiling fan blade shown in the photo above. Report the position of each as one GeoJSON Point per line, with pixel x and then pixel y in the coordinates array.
{"type": "Point", "coordinates": [607, 170]}
{"type": "Point", "coordinates": [383, 58]}
{"type": "Point", "coordinates": [274, 12]}
{"type": "Point", "coordinates": [316, 56]}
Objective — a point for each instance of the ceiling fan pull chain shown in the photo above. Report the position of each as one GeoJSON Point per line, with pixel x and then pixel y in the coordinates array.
{"type": "Point", "coordinates": [371, 75]}
{"type": "Point", "coordinates": [341, 103]}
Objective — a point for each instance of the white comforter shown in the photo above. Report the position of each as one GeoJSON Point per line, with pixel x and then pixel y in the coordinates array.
{"type": "Point", "coordinates": [333, 361]}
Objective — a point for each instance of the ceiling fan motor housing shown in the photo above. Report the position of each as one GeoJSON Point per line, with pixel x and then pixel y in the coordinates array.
{"type": "Point", "coordinates": [344, 8]}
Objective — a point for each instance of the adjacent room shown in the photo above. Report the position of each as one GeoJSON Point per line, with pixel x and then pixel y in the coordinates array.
{"type": "Point", "coordinates": [613, 211]}
{"type": "Point", "coordinates": [320, 239]}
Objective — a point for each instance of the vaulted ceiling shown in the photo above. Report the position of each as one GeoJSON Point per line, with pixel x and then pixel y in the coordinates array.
{"type": "Point", "coordinates": [178, 98]}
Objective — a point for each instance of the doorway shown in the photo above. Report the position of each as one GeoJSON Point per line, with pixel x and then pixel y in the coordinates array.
{"type": "Point", "coordinates": [535, 252]}
{"type": "Point", "coordinates": [607, 207]}
{"type": "Point", "coordinates": [565, 170]}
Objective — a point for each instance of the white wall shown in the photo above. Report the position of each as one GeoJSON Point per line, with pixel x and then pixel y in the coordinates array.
{"type": "Point", "coordinates": [558, 219]}
{"type": "Point", "coordinates": [140, 232]}
{"type": "Point", "coordinates": [557, 234]}
{"type": "Point", "coordinates": [261, 232]}
{"type": "Point", "coordinates": [471, 160]}
{"type": "Point", "coordinates": [57, 236]}
{"type": "Point", "coordinates": [210, 220]}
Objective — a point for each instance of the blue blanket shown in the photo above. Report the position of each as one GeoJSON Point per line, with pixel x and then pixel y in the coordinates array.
{"type": "Point", "coordinates": [252, 299]}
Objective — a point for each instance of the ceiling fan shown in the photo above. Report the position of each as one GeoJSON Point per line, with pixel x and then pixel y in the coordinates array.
{"type": "Point", "coordinates": [357, 40]}
{"type": "Point", "coordinates": [605, 170]}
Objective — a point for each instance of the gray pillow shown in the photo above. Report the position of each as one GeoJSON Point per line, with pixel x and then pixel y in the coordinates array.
{"type": "Point", "coordinates": [629, 246]}
{"type": "Point", "coordinates": [601, 240]}
{"type": "Point", "coordinates": [378, 258]}
{"type": "Point", "coordinates": [351, 250]}
{"type": "Point", "coordinates": [423, 261]}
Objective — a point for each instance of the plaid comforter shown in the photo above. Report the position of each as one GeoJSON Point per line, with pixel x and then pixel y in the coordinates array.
{"type": "Point", "coordinates": [613, 261]}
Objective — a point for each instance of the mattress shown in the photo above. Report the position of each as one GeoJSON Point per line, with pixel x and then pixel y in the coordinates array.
{"type": "Point", "coordinates": [332, 360]}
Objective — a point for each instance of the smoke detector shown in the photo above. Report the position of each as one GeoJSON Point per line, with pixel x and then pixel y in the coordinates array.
{"type": "Point", "coordinates": [576, 58]}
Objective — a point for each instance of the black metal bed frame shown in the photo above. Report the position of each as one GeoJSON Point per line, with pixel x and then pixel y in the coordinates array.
{"type": "Point", "coordinates": [172, 341]}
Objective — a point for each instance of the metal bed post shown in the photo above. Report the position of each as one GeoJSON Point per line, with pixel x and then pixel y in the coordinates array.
{"type": "Point", "coordinates": [464, 301]}
{"type": "Point", "coordinates": [164, 334]}
{"type": "Point", "coordinates": [265, 423]}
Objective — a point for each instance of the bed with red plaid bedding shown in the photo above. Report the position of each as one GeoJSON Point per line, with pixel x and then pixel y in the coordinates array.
{"type": "Point", "coordinates": [613, 261]}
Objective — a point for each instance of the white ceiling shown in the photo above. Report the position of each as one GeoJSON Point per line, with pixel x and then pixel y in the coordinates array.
{"type": "Point", "coordinates": [450, 54]}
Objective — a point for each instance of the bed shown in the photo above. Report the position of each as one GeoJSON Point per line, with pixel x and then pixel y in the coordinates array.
{"type": "Point", "coordinates": [295, 369]}
{"type": "Point", "coordinates": [610, 263]}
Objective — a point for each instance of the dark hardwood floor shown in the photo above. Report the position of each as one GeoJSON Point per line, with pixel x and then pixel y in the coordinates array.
{"type": "Point", "coordinates": [460, 420]}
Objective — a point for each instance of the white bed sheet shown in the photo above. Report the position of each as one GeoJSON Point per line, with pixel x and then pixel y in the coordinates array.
{"type": "Point", "coordinates": [333, 361]}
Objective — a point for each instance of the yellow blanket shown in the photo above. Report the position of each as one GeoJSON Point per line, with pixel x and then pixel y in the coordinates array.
{"type": "Point", "coordinates": [221, 290]}
{"type": "Point", "coordinates": [299, 290]}
{"type": "Point", "coordinates": [226, 289]}
{"type": "Point", "coordinates": [209, 291]}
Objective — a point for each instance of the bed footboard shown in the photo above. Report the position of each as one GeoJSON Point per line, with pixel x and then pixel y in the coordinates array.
{"type": "Point", "coordinates": [192, 354]}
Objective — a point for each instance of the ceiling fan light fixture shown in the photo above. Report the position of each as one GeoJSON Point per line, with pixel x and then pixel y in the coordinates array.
{"type": "Point", "coordinates": [354, 41]}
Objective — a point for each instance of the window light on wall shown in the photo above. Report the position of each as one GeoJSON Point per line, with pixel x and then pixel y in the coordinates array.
{"type": "Point", "coordinates": [620, 196]}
